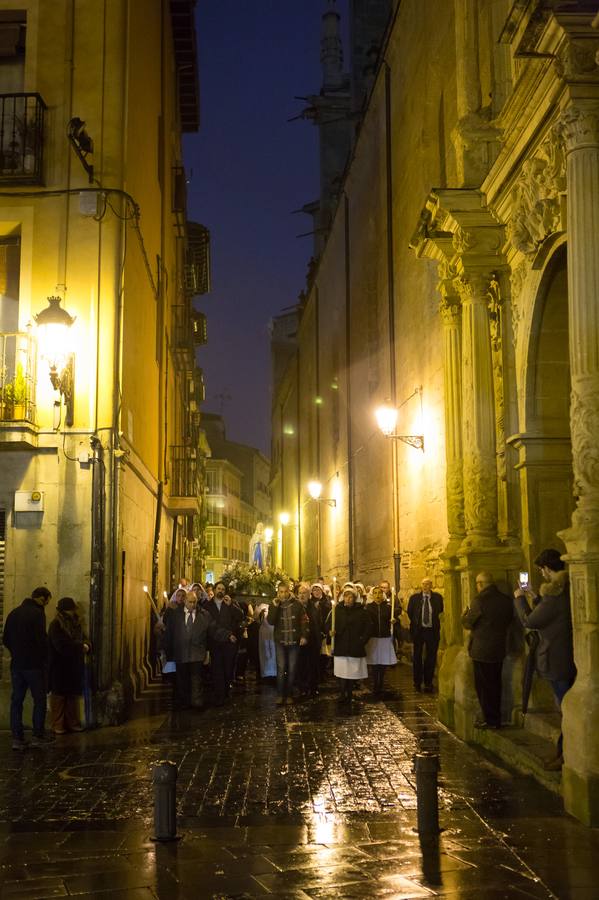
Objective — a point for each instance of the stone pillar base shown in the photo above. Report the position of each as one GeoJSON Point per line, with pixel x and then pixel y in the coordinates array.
{"type": "Point", "coordinates": [447, 669]}
{"type": "Point", "coordinates": [580, 776]}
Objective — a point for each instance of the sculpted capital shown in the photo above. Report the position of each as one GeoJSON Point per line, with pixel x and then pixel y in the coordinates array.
{"type": "Point", "coordinates": [579, 126]}
{"type": "Point", "coordinates": [473, 286]}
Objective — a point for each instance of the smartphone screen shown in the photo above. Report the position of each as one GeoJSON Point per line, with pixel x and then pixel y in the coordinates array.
{"type": "Point", "coordinates": [523, 579]}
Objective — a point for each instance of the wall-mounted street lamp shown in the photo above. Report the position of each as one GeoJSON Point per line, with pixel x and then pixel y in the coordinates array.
{"type": "Point", "coordinates": [386, 417]}
{"type": "Point", "coordinates": [315, 491]}
{"type": "Point", "coordinates": [54, 337]}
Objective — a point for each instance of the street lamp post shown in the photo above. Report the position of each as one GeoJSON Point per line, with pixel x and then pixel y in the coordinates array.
{"type": "Point", "coordinates": [315, 491]}
{"type": "Point", "coordinates": [386, 417]}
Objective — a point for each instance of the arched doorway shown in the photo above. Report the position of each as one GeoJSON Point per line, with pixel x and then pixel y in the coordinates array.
{"type": "Point", "coordinates": [545, 445]}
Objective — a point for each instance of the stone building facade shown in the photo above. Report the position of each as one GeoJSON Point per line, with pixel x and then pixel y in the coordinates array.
{"type": "Point", "coordinates": [99, 473]}
{"type": "Point", "coordinates": [459, 281]}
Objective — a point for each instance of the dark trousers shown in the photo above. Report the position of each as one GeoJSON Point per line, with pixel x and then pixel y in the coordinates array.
{"type": "Point", "coordinates": [426, 644]}
{"type": "Point", "coordinates": [287, 657]}
{"type": "Point", "coordinates": [22, 681]}
{"type": "Point", "coordinates": [188, 684]}
{"type": "Point", "coordinates": [222, 656]}
{"type": "Point", "coordinates": [487, 681]}
{"type": "Point", "coordinates": [378, 678]}
{"type": "Point", "coordinates": [308, 667]}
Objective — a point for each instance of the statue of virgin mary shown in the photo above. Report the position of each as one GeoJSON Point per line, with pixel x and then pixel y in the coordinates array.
{"type": "Point", "coordinates": [258, 547]}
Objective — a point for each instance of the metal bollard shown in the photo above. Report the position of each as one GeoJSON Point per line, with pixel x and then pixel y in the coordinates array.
{"type": "Point", "coordinates": [426, 766]}
{"type": "Point", "coordinates": [164, 779]}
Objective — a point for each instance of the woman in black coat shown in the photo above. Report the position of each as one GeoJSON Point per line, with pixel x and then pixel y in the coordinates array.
{"type": "Point", "coordinates": [66, 650]}
{"type": "Point", "coordinates": [351, 633]}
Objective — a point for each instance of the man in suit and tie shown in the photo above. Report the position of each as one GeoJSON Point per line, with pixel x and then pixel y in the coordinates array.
{"type": "Point", "coordinates": [424, 609]}
{"type": "Point", "coordinates": [187, 633]}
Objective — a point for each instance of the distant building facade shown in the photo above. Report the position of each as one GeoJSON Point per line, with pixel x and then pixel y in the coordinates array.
{"type": "Point", "coordinates": [237, 496]}
{"type": "Point", "coordinates": [458, 280]}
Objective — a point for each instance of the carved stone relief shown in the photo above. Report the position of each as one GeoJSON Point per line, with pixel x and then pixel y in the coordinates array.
{"type": "Point", "coordinates": [495, 305]}
{"type": "Point", "coordinates": [577, 59]}
{"type": "Point", "coordinates": [536, 197]}
{"type": "Point", "coordinates": [480, 488]}
{"type": "Point", "coordinates": [584, 422]}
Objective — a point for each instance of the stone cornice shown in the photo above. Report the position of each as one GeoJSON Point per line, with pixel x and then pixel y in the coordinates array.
{"type": "Point", "coordinates": [457, 229]}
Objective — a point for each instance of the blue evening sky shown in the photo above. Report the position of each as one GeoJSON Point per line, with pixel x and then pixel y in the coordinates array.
{"type": "Point", "coordinates": [249, 169]}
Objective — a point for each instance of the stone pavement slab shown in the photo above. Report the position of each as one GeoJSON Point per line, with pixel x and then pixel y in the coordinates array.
{"type": "Point", "coordinates": [310, 801]}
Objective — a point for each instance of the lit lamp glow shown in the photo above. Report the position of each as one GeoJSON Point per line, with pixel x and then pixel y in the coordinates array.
{"type": "Point", "coordinates": [315, 489]}
{"type": "Point", "coordinates": [55, 341]}
{"type": "Point", "coordinates": [386, 417]}
{"type": "Point", "coordinates": [284, 518]}
{"type": "Point", "coordinates": [268, 533]}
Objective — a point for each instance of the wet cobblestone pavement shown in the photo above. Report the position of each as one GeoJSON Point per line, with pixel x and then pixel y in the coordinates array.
{"type": "Point", "coordinates": [309, 801]}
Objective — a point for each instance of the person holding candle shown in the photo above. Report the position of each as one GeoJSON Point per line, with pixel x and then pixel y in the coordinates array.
{"type": "Point", "coordinates": [380, 651]}
{"type": "Point", "coordinates": [350, 631]}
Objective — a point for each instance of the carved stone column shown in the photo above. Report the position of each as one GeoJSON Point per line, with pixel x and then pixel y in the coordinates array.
{"type": "Point", "coordinates": [451, 317]}
{"type": "Point", "coordinates": [478, 403]}
{"type": "Point", "coordinates": [580, 129]}
{"type": "Point", "coordinates": [505, 417]}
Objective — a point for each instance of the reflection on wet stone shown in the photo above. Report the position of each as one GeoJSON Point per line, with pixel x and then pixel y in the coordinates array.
{"type": "Point", "coordinates": [302, 802]}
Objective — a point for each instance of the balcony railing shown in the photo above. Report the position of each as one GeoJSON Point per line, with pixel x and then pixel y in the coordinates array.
{"type": "Point", "coordinates": [17, 377]}
{"type": "Point", "coordinates": [197, 269]}
{"type": "Point", "coordinates": [21, 138]}
{"type": "Point", "coordinates": [184, 472]}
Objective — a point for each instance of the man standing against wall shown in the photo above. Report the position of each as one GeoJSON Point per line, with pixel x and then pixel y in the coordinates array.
{"type": "Point", "coordinates": [424, 609]}
{"type": "Point", "coordinates": [25, 637]}
{"type": "Point", "coordinates": [489, 618]}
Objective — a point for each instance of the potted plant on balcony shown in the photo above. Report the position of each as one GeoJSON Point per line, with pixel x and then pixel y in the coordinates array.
{"type": "Point", "coordinates": [14, 397]}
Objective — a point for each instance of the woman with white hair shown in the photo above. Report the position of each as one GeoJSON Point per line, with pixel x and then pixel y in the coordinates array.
{"type": "Point", "coordinates": [351, 633]}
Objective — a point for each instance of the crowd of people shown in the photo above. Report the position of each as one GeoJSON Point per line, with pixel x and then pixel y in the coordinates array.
{"type": "Point", "coordinates": [301, 638]}
{"type": "Point", "coordinates": [306, 635]}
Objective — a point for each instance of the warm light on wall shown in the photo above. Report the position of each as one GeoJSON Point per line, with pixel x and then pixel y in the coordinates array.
{"type": "Point", "coordinates": [386, 417]}
{"type": "Point", "coordinates": [54, 331]}
{"type": "Point", "coordinates": [315, 489]}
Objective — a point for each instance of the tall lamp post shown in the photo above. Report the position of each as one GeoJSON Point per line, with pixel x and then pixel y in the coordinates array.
{"type": "Point", "coordinates": [315, 491]}
{"type": "Point", "coordinates": [386, 417]}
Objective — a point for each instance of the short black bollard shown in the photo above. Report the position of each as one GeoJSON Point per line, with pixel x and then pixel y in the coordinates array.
{"type": "Point", "coordinates": [164, 779]}
{"type": "Point", "coordinates": [426, 766]}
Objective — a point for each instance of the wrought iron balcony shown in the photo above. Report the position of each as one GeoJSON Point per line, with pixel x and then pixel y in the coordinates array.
{"type": "Point", "coordinates": [21, 138]}
{"type": "Point", "coordinates": [184, 480]}
{"type": "Point", "coordinates": [17, 377]}
{"type": "Point", "coordinates": [197, 269]}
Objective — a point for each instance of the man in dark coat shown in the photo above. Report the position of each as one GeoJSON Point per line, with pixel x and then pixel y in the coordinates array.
{"type": "Point", "coordinates": [225, 615]}
{"type": "Point", "coordinates": [25, 637]}
{"type": "Point", "coordinates": [489, 618]}
{"type": "Point", "coordinates": [424, 609]}
{"type": "Point", "coordinates": [187, 632]}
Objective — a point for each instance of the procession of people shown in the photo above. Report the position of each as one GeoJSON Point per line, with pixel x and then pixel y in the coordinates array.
{"type": "Point", "coordinates": [307, 636]}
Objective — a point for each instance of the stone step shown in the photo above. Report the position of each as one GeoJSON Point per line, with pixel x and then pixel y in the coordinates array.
{"type": "Point", "coordinates": [523, 750]}
{"type": "Point", "coordinates": [545, 724]}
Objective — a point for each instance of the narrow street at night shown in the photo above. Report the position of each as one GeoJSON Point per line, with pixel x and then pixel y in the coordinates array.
{"type": "Point", "coordinates": [307, 802]}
